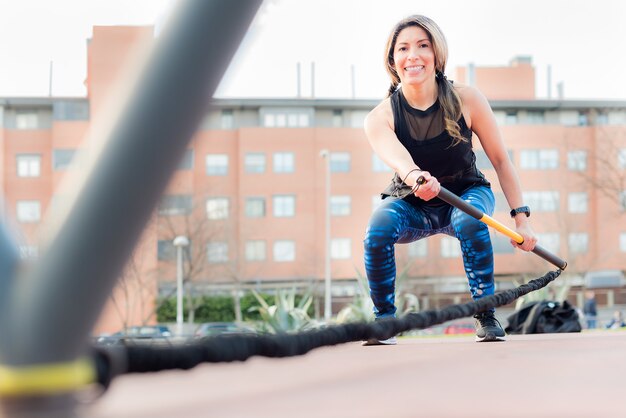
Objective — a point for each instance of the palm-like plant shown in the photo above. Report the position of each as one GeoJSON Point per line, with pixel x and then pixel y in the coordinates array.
{"type": "Point", "coordinates": [361, 308]}
{"type": "Point", "coordinates": [285, 315]}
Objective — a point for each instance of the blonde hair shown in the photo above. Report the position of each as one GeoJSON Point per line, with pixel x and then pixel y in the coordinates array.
{"type": "Point", "coordinates": [448, 98]}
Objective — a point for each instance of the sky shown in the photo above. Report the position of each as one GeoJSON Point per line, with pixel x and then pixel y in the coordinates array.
{"type": "Point", "coordinates": [582, 42]}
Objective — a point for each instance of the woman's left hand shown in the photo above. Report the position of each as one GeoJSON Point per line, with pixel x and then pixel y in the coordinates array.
{"type": "Point", "coordinates": [530, 240]}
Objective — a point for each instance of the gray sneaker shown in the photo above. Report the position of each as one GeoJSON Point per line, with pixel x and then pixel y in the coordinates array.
{"type": "Point", "coordinates": [376, 341]}
{"type": "Point", "coordinates": [488, 328]}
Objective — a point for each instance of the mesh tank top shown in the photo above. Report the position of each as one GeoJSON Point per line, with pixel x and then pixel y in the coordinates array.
{"type": "Point", "coordinates": [423, 134]}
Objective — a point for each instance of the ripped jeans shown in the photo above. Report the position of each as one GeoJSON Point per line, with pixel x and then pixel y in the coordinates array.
{"type": "Point", "coordinates": [397, 221]}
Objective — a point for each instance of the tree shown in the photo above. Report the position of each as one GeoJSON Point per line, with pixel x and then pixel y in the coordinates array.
{"type": "Point", "coordinates": [134, 296]}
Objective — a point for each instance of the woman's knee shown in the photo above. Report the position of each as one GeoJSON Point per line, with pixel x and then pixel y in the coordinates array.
{"type": "Point", "coordinates": [377, 237]}
{"type": "Point", "coordinates": [467, 225]}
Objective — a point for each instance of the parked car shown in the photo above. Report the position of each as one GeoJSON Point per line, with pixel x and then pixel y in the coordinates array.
{"type": "Point", "coordinates": [143, 333]}
{"type": "Point", "coordinates": [210, 329]}
{"type": "Point", "coordinates": [460, 328]}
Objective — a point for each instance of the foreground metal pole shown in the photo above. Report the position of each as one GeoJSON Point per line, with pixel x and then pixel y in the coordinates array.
{"type": "Point", "coordinates": [56, 304]}
{"type": "Point", "coordinates": [180, 242]}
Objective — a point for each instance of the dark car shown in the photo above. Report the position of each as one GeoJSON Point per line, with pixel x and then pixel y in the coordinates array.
{"type": "Point", "coordinates": [211, 329]}
{"type": "Point", "coordinates": [143, 333]}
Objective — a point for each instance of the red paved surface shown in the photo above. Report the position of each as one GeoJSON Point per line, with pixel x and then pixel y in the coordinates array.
{"type": "Point", "coordinates": [549, 375]}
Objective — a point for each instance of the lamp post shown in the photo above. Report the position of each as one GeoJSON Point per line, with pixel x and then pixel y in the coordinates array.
{"type": "Point", "coordinates": [180, 242]}
{"type": "Point", "coordinates": [327, 296]}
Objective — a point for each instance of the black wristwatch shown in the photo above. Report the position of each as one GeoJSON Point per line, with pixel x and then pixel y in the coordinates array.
{"type": "Point", "coordinates": [521, 209]}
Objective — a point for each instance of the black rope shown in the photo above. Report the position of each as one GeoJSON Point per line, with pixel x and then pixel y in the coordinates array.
{"type": "Point", "coordinates": [142, 358]}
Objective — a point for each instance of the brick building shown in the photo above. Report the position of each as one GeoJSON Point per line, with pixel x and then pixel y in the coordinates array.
{"type": "Point", "coordinates": [250, 193]}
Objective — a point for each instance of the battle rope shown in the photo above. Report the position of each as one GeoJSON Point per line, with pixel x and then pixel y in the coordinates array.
{"type": "Point", "coordinates": [113, 361]}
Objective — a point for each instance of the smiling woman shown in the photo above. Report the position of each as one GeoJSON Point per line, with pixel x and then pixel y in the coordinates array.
{"type": "Point", "coordinates": [423, 130]}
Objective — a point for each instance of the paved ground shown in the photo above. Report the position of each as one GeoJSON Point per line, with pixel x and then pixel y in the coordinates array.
{"type": "Point", "coordinates": [549, 375]}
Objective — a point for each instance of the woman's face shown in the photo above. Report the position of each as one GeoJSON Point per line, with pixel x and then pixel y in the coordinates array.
{"type": "Point", "coordinates": [413, 56]}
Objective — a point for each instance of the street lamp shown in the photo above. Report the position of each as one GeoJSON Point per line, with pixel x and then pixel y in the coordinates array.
{"type": "Point", "coordinates": [180, 242]}
{"type": "Point", "coordinates": [327, 296]}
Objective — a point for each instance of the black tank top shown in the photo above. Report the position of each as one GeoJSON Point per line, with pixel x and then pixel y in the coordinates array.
{"type": "Point", "coordinates": [423, 134]}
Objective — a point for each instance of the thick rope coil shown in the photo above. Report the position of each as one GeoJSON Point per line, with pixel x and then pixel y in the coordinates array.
{"type": "Point", "coordinates": [142, 359]}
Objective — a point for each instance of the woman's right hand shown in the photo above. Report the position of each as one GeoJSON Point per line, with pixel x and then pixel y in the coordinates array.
{"type": "Point", "coordinates": [429, 189]}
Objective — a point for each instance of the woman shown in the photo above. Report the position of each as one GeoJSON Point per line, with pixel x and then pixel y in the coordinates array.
{"type": "Point", "coordinates": [424, 129]}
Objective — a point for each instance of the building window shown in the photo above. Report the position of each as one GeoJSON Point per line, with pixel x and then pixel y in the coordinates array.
{"type": "Point", "coordinates": [340, 205]}
{"type": "Point", "coordinates": [621, 158]}
{"type": "Point", "coordinates": [28, 165]}
{"type": "Point", "coordinates": [622, 242]}
{"type": "Point", "coordinates": [578, 242]}
{"type": "Point", "coordinates": [227, 120]}
{"type": "Point", "coordinates": [501, 244]}
{"type": "Point", "coordinates": [217, 208]}
{"type": "Point", "coordinates": [418, 248]}
{"type": "Point", "coordinates": [28, 211]}
{"type": "Point", "coordinates": [254, 162]}
{"type": "Point", "coordinates": [602, 119]}
{"type": "Point", "coordinates": [284, 206]}
{"type": "Point", "coordinates": [28, 252]}
{"type": "Point", "coordinates": [542, 201]}
{"type": "Point", "coordinates": [337, 118]}
{"type": "Point", "coordinates": [283, 162]}
{"type": "Point", "coordinates": [577, 202]}
{"type": "Point", "coordinates": [511, 117]}
{"type": "Point", "coordinates": [70, 110]}
{"type": "Point", "coordinates": [217, 252]}
{"type": "Point", "coordinates": [284, 250]}
{"type": "Point", "coordinates": [543, 159]}
{"type": "Point", "coordinates": [255, 207]}
{"type": "Point", "coordinates": [549, 241]}
{"type": "Point", "coordinates": [622, 199]}
{"type": "Point", "coordinates": [166, 250]}
{"type": "Point", "coordinates": [340, 248]}
{"type": "Point", "coordinates": [450, 247]}
{"type": "Point", "coordinates": [283, 118]}
{"type": "Point", "coordinates": [577, 160]}
{"type": "Point", "coordinates": [175, 205]}
{"type": "Point", "coordinates": [535, 117]}
{"type": "Point", "coordinates": [339, 162]}
{"type": "Point", "coordinates": [26, 120]}
{"type": "Point", "coordinates": [501, 204]}
{"type": "Point", "coordinates": [217, 164]}
{"type": "Point", "coordinates": [187, 162]}
{"type": "Point", "coordinates": [379, 166]}
{"type": "Point", "coordinates": [483, 162]}
{"type": "Point", "coordinates": [357, 118]}
{"type": "Point", "coordinates": [62, 158]}
{"type": "Point", "coordinates": [255, 250]}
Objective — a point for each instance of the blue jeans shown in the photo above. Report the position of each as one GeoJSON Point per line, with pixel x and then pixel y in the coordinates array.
{"type": "Point", "coordinates": [397, 221]}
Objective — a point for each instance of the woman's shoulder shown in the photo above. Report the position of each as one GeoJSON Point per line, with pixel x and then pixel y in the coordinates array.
{"type": "Point", "coordinates": [467, 93]}
{"type": "Point", "coordinates": [473, 102]}
{"type": "Point", "coordinates": [382, 111]}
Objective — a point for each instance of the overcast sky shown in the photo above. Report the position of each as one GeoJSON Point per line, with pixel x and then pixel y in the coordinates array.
{"type": "Point", "coordinates": [582, 41]}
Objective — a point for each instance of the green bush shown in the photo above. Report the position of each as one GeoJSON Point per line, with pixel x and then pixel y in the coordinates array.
{"type": "Point", "coordinates": [213, 308]}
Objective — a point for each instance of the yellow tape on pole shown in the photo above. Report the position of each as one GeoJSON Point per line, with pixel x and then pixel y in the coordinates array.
{"type": "Point", "coordinates": [499, 227]}
{"type": "Point", "coordinates": [46, 379]}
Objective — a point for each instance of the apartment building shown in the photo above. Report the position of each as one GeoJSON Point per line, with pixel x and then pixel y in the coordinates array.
{"type": "Point", "coordinates": [251, 190]}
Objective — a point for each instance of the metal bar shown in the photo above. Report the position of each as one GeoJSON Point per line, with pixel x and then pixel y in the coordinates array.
{"type": "Point", "coordinates": [60, 299]}
{"type": "Point", "coordinates": [452, 199]}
